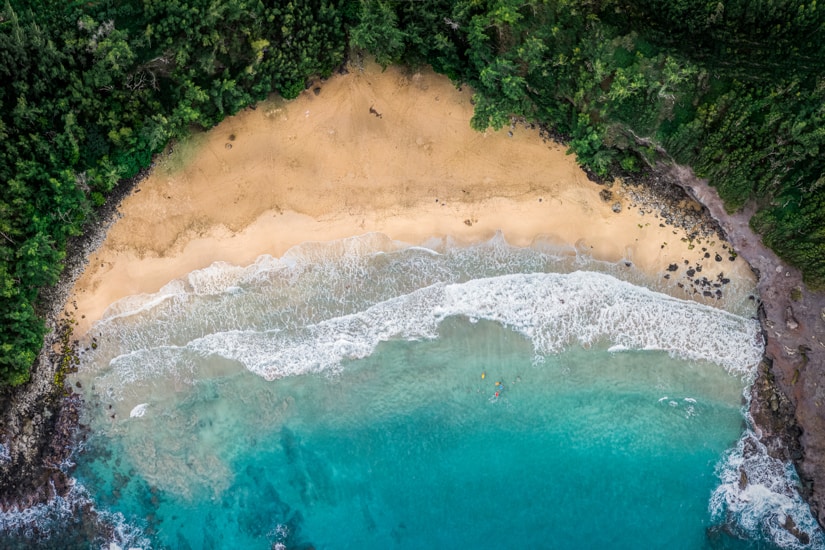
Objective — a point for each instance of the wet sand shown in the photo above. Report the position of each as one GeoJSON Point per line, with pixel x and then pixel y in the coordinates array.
{"type": "Point", "coordinates": [369, 151]}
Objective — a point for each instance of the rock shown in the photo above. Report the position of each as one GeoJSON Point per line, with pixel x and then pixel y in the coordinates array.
{"type": "Point", "coordinates": [790, 527]}
{"type": "Point", "coordinates": [790, 320]}
{"type": "Point", "coordinates": [718, 258]}
{"type": "Point", "coordinates": [617, 207]}
{"type": "Point", "coordinates": [606, 195]}
{"type": "Point", "coordinates": [691, 272]}
{"type": "Point", "coordinates": [672, 267]}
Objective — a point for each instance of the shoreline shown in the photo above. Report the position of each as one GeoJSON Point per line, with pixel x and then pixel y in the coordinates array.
{"type": "Point", "coordinates": [455, 212]}
{"type": "Point", "coordinates": [788, 404]}
{"type": "Point", "coordinates": [40, 419]}
{"type": "Point", "coordinates": [281, 174]}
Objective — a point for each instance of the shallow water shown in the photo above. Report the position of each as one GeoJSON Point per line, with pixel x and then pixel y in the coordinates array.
{"type": "Point", "coordinates": [365, 394]}
{"type": "Point", "coordinates": [410, 447]}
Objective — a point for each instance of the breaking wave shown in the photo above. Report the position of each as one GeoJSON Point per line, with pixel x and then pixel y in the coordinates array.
{"type": "Point", "coordinates": [554, 311]}
{"type": "Point", "coordinates": [758, 498]}
{"type": "Point", "coordinates": [70, 521]}
{"type": "Point", "coordinates": [322, 304]}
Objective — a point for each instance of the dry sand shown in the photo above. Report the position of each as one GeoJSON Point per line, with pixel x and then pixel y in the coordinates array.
{"type": "Point", "coordinates": [391, 152]}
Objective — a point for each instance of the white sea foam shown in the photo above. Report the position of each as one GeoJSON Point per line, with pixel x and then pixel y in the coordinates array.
{"type": "Point", "coordinates": [140, 303]}
{"type": "Point", "coordinates": [316, 282]}
{"type": "Point", "coordinates": [139, 410]}
{"type": "Point", "coordinates": [553, 310]}
{"type": "Point", "coordinates": [617, 348]}
{"type": "Point", "coordinates": [153, 365]}
{"type": "Point", "coordinates": [43, 525]}
{"type": "Point", "coordinates": [757, 494]}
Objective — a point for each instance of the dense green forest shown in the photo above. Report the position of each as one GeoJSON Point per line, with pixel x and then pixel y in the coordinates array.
{"type": "Point", "coordinates": [91, 90]}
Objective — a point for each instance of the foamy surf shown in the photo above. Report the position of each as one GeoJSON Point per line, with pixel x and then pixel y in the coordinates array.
{"type": "Point", "coordinates": [71, 521]}
{"type": "Point", "coordinates": [758, 498]}
{"type": "Point", "coordinates": [553, 311]}
{"type": "Point", "coordinates": [314, 282]}
{"type": "Point", "coordinates": [139, 410]}
{"type": "Point", "coordinates": [326, 302]}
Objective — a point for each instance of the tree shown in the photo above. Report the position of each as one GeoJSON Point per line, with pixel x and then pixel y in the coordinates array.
{"type": "Point", "coordinates": [378, 33]}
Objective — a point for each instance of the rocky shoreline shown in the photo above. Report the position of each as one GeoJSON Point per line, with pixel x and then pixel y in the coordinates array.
{"type": "Point", "coordinates": [788, 397]}
{"type": "Point", "coordinates": [40, 419]}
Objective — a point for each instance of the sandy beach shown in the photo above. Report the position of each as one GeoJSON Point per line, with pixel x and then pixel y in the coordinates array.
{"type": "Point", "coordinates": [370, 151]}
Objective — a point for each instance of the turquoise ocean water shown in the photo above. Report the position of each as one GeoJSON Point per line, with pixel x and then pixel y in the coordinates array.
{"type": "Point", "coordinates": [367, 394]}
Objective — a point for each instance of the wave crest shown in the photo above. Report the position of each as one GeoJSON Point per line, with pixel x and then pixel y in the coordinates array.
{"type": "Point", "coordinates": [553, 311]}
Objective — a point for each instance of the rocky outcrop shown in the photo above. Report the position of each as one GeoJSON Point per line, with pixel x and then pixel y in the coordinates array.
{"type": "Point", "coordinates": [38, 419]}
{"type": "Point", "coordinates": [789, 393]}
{"type": "Point", "coordinates": [34, 428]}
